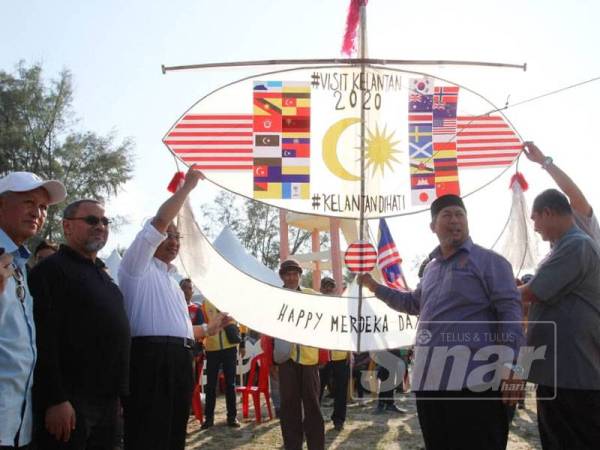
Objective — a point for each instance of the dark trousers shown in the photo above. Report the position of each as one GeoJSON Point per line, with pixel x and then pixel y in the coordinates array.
{"type": "Point", "coordinates": [161, 383]}
{"type": "Point", "coordinates": [95, 426]}
{"type": "Point", "coordinates": [299, 388]}
{"type": "Point", "coordinates": [340, 371]}
{"type": "Point", "coordinates": [571, 420]}
{"type": "Point", "coordinates": [226, 359]}
{"type": "Point", "coordinates": [462, 420]}
{"type": "Point", "coordinates": [387, 397]}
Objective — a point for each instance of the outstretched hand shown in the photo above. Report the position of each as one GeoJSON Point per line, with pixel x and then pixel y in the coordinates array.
{"type": "Point", "coordinates": [367, 280]}
{"type": "Point", "coordinates": [192, 177]}
{"type": "Point", "coordinates": [533, 153]}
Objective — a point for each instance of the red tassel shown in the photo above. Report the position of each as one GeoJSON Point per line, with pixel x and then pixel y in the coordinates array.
{"type": "Point", "coordinates": [519, 178]}
{"type": "Point", "coordinates": [176, 182]}
{"type": "Point", "coordinates": [349, 44]}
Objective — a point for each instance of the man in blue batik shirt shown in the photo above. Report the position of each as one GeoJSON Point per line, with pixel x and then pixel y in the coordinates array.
{"type": "Point", "coordinates": [469, 336]}
{"type": "Point", "coordinates": [24, 199]}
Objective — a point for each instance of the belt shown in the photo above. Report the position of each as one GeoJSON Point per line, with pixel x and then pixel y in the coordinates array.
{"type": "Point", "coordinates": [182, 342]}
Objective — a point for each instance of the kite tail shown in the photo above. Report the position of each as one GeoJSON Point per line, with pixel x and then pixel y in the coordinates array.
{"type": "Point", "coordinates": [349, 44]}
{"type": "Point", "coordinates": [176, 182]}
{"type": "Point", "coordinates": [519, 178]}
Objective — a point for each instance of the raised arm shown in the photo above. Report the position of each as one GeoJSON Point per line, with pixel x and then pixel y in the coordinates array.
{"type": "Point", "coordinates": [563, 181]}
{"type": "Point", "coordinates": [170, 208]}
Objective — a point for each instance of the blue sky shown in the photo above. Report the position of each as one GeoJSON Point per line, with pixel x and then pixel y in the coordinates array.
{"type": "Point", "coordinates": [115, 49]}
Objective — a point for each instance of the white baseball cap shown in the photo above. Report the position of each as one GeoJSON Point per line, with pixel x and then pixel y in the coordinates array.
{"type": "Point", "coordinates": [27, 181]}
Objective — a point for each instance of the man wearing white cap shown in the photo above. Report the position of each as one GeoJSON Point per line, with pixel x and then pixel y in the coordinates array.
{"type": "Point", "coordinates": [24, 199]}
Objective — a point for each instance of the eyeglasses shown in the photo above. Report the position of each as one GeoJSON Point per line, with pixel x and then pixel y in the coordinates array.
{"type": "Point", "coordinates": [92, 220]}
{"type": "Point", "coordinates": [175, 236]}
{"type": "Point", "coordinates": [18, 276]}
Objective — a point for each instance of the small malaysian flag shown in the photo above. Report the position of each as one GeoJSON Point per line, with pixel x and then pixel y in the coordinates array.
{"type": "Point", "coordinates": [213, 142]}
{"type": "Point", "coordinates": [486, 141]}
{"type": "Point", "coordinates": [388, 259]}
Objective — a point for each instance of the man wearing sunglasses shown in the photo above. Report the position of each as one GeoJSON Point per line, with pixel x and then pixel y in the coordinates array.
{"type": "Point", "coordinates": [83, 337]}
{"type": "Point", "coordinates": [161, 376]}
{"type": "Point", "coordinates": [24, 198]}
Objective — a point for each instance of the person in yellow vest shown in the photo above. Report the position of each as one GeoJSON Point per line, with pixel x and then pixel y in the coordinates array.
{"type": "Point", "coordinates": [221, 352]}
{"type": "Point", "coordinates": [336, 369]}
{"type": "Point", "coordinates": [299, 383]}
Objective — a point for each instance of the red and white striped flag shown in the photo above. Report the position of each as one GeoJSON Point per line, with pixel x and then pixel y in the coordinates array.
{"type": "Point", "coordinates": [486, 141]}
{"type": "Point", "coordinates": [213, 142]}
{"type": "Point", "coordinates": [360, 257]}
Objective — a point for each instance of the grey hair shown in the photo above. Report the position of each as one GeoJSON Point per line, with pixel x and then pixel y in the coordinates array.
{"type": "Point", "coordinates": [71, 209]}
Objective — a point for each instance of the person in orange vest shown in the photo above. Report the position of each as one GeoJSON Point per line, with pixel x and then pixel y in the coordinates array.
{"type": "Point", "coordinates": [221, 353]}
{"type": "Point", "coordinates": [337, 368]}
{"type": "Point", "coordinates": [299, 384]}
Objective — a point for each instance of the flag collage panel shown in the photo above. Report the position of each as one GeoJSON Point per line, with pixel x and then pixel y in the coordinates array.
{"type": "Point", "coordinates": [281, 138]}
{"type": "Point", "coordinates": [420, 140]}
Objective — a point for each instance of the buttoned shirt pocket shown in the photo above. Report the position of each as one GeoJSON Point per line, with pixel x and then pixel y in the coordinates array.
{"type": "Point", "coordinates": [466, 286]}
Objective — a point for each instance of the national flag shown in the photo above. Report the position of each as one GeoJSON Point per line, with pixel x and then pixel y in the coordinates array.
{"type": "Point", "coordinates": [388, 258]}
{"type": "Point", "coordinates": [444, 126]}
{"type": "Point", "coordinates": [486, 141]}
{"type": "Point", "coordinates": [420, 151]}
{"type": "Point", "coordinates": [422, 85]}
{"type": "Point", "coordinates": [417, 132]}
{"type": "Point", "coordinates": [443, 95]}
{"type": "Point", "coordinates": [213, 142]}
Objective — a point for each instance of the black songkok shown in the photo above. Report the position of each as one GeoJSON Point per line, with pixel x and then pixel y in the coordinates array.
{"type": "Point", "coordinates": [445, 201]}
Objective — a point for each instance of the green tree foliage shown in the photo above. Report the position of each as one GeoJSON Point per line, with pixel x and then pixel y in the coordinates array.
{"type": "Point", "coordinates": [38, 134]}
{"type": "Point", "coordinates": [256, 225]}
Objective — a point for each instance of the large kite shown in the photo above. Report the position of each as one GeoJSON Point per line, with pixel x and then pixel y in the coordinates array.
{"type": "Point", "coordinates": [354, 138]}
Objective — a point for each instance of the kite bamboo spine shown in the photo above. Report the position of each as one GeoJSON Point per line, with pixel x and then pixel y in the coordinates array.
{"type": "Point", "coordinates": [343, 61]}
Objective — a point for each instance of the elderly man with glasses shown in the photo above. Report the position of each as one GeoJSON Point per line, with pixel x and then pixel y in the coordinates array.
{"type": "Point", "coordinates": [161, 377]}
{"type": "Point", "coordinates": [24, 199]}
{"type": "Point", "coordinates": [83, 337]}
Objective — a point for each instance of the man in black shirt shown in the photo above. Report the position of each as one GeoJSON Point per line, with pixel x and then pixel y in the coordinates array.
{"type": "Point", "coordinates": [82, 337]}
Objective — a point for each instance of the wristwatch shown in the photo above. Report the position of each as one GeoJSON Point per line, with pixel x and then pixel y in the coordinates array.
{"type": "Point", "coordinates": [204, 329]}
{"type": "Point", "coordinates": [547, 162]}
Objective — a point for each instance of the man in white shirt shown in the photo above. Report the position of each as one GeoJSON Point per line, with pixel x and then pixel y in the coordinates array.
{"type": "Point", "coordinates": [161, 377]}
{"type": "Point", "coordinates": [582, 210]}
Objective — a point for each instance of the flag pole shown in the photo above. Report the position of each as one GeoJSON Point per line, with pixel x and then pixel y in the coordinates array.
{"type": "Point", "coordinates": [363, 68]}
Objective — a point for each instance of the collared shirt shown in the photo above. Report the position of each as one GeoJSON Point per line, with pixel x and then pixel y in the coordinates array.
{"type": "Point", "coordinates": [82, 330]}
{"type": "Point", "coordinates": [567, 286]}
{"type": "Point", "coordinates": [588, 224]}
{"type": "Point", "coordinates": [472, 285]}
{"type": "Point", "coordinates": [17, 353]}
{"type": "Point", "coordinates": [154, 302]}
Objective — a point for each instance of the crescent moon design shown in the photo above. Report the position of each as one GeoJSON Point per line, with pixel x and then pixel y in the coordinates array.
{"type": "Point", "coordinates": [330, 141]}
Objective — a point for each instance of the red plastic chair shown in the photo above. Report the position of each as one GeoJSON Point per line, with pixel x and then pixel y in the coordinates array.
{"type": "Point", "coordinates": [256, 390]}
{"type": "Point", "coordinates": [196, 402]}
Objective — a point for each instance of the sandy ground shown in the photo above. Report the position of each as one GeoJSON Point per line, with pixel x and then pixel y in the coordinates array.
{"type": "Point", "coordinates": [363, 430]}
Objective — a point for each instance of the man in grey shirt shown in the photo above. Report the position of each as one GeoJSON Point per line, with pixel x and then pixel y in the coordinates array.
{"type": "Point", "coordinates": [566, 291]}
{"type": "Point", "coordinates": [583, 213]}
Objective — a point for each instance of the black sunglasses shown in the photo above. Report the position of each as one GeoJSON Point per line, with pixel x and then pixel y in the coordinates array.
{"type": "Point", "coordinates": [19, 281]}
{"type": "Point", "coordinates": [92, 220]}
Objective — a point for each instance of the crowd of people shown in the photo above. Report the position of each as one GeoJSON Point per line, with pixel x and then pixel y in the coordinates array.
{"type": "Point", "coordinates": [84, 361]}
